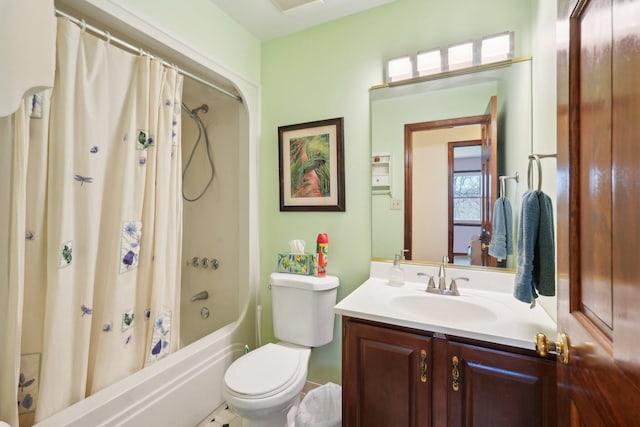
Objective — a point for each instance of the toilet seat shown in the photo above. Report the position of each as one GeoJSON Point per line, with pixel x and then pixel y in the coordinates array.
{"type": "Point", "coordinates": [264, 372]}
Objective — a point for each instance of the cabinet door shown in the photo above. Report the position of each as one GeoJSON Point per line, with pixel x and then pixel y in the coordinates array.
{"type": "Point", "coordinates": [385, 377]}
{"type": "Point", "coordinates": [496, 388]}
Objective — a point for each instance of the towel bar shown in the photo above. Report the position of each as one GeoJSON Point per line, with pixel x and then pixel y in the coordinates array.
{"type": "Point", "coordinates": [537, 158]}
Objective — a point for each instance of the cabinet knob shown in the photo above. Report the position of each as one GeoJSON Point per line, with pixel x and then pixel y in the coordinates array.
{"type": "Point", "coordinates": [544, 346]}
{"type": "Point", "coordinates": [423, 366]}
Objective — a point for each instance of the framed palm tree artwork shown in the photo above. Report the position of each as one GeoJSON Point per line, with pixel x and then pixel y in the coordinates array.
{"type": "Point", "coordinates": [312, 166]}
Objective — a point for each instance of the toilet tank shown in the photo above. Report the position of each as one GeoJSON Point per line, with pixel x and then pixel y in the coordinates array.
{"type": "Point", "coordinates": [303, 308]}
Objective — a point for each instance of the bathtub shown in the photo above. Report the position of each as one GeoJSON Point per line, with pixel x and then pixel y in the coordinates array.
{"type": "Point", "coordinates": [177, 391]}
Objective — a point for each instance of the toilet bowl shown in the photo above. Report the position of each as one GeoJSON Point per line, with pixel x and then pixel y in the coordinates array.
{"type": "Point", "coordinates": [265, 384]}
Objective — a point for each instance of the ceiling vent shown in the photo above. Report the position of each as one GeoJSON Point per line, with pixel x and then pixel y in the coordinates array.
{"type": "Point", "coordinates": [287, 6]}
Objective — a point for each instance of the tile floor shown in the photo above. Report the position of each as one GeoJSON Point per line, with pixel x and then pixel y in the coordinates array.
{"type": "Point", "coordinates": [221, 417]}
{"type": "Point", "coordinates": [224, 417]}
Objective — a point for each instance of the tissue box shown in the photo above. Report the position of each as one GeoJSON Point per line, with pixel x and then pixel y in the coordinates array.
{"type": "Point", "coordinates": [297, 263]}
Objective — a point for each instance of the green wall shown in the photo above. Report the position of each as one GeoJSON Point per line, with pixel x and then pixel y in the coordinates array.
{"type": "Point", "coordinates": [203, 25]}
{"type": "Point", "coordinates": [326, 72]}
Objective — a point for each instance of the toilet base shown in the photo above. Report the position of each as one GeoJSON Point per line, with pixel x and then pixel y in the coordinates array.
{"type": "Point", "coordinates": [282, 417]}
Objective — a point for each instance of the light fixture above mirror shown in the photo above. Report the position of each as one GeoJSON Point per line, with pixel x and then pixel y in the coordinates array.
{"type": "Point", "coordinates": [429, 62]}
{"type": "Point", "coordinates": [457, 56]}
{"type": "Point", "coordinates": [460, 56]}
{"type": "Point", "coordinates": [497, 47]}
{"type": "Point", "coordinates": [399, 68]}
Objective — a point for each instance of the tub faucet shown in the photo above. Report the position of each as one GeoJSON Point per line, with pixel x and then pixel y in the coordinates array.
{"type": "Point", "coordinates": [200, 296]}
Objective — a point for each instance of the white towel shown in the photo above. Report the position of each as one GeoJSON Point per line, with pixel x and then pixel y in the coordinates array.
{"type": "Point", "coordinates": [26, 26]}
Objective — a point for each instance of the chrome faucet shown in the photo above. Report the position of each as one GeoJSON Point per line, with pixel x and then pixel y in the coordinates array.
{"type": "Point", "coordinates": [442, 283]}
{"type": "Point", "coordinates": [200, 296]}
{"type": "Point", "coordinates": [442, 279]}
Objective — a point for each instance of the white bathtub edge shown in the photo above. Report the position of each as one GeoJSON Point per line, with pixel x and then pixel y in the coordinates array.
{"type": "Point", "coordinates": [178, 391]}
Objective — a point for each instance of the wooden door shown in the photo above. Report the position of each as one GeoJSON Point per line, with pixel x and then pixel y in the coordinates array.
{"type": "Point", "coordinates": [490, 388]}
{"type": "Point", "coordinates": [386, 377]}
{"type": "Point", "coordinates": [489, 177]}
{"type": "Point", "coordinates": [598, 208]}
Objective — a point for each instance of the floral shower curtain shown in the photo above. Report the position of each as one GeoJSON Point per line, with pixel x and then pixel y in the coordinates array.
{"type": "Point", "coordinates": [102, 232]}
{"type": "Point", "coordinates": [14, 137]}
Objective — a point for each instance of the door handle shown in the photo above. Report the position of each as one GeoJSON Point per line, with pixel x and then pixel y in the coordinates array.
{"type": "Point", "coordinates": [544, 346]}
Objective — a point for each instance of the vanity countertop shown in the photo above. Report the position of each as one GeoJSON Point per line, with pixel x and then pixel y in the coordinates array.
{"type": "Point", "coordinates": [485, 310]}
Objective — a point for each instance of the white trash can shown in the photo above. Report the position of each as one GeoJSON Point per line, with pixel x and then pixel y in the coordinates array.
{"type": "Point", "coordinates": [321, 407]}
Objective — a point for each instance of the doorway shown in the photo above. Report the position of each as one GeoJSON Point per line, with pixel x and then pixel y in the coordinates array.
{"type": "Point", "coordinates": [464, 199]}
{"type": "Point", "coordinates": [427, 234]}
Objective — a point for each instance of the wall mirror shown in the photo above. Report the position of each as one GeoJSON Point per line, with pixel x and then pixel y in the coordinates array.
{"type": "Point", "coordinates": [450, 101]}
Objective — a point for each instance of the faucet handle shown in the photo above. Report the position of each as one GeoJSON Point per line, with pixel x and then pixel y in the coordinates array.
{"type": "Point", "coordinates": [453, 287]}
{"type": "Point", "coordinates": [431, 284]}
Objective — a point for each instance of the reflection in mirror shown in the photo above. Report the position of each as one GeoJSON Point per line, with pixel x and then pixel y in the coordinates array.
{"type": "Point", "coordinates": [437, 136]}
{"type": "Point", "coordinates": [465, 199]}
{"type": "Point", "coordinates": [398, 109]}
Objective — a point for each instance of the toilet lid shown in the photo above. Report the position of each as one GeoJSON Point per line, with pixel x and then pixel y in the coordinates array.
{"type": "Point", "coordinates": [264, 371]}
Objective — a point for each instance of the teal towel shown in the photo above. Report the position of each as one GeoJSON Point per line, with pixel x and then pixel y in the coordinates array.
{"type": "Point", "coordinates": [544, 261]}
{"type": "Point", "coordinates": [535, 272]}
{"type": "Point", "coordinates": [502, 238]}
{"type": "Point", "coordinates": [527, 237]}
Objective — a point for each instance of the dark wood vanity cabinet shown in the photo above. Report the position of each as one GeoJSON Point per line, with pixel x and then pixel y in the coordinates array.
{"type": "Point", "coordinates": [499, 388]}
{"type": "Point", "coordinates": [392, 376]}
{"type": "Point", "coordinates": [385, 375]}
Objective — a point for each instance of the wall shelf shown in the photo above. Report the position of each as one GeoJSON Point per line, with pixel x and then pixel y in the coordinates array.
{"type": "Point", "coordinates": [381, 173]}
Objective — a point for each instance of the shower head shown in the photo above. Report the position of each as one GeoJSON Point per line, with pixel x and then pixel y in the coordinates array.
{"type": "Point", "coordinates": [203, 107]}
{"type": "Point", "coordinates": [193, 113]}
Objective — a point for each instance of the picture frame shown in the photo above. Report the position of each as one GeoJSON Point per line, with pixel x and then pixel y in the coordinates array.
{"type": "Point", "coordinates": [311, 166]}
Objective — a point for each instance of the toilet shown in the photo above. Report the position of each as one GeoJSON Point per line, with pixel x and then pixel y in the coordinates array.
{"type": "Point", "coordinates": [264, 385]}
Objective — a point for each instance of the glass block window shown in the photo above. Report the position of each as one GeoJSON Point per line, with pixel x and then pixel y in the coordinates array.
{"type": "Point", "coordinates": [467, 197]}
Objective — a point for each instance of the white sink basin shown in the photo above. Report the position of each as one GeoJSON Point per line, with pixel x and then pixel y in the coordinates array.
{"type": "Point", "coordinates": [452, 309]}
{"type": "Point", "coordinates": [485, 310]}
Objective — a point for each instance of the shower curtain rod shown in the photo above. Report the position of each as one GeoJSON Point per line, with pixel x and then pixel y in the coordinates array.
{"type": "Point", "coordinates": [110, 39]}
